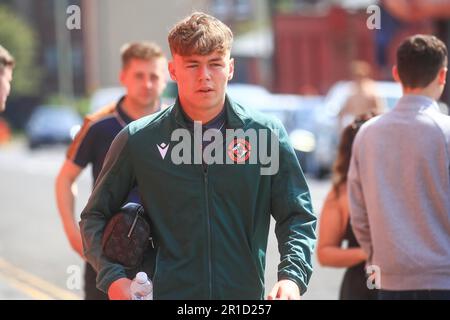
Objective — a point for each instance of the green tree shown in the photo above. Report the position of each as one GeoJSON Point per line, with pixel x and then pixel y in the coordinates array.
{"type": "Point", "coordinates": [19, 39]}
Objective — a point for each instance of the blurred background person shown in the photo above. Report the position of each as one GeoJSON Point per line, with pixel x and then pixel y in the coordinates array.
{"type": "Point", "coordinates": [363, 98]}
{"type": "Point", "coordinates": [6, 72]}
{"type": "Point", "coordinates": [335, 225]}
{"type": "Point", "coordinates": [144, 75]}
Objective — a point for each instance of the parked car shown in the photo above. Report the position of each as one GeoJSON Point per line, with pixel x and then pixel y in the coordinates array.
{"type": "Point", "coordinates": [258, 98]}
{"type": "Point", "coordinates": [297, 113]}
{"type": "Point", "coordinates": [304, 133]}
{"type": "Point", "coordinates": [52, 125]}
{"type": "Point", "coordinates": [327, 128]}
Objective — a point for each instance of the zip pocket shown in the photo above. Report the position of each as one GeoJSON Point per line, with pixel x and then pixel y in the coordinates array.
{"type": "Point", "coordinates": [133, 225]}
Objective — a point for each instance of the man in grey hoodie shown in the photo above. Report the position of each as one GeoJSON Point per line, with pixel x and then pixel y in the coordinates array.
{"type": "Point", "coordinates": [399, 180]}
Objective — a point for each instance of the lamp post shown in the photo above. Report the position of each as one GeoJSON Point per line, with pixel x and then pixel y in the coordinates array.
{"type": "Point", "coordinates": [63, 50]}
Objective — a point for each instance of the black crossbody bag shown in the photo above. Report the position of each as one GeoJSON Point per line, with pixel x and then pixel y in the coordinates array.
{"type": "Point", "coordinates": [127, 236]}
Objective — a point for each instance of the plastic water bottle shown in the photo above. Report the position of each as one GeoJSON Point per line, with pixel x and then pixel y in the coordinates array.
{"type": "Point", "coordinates": [141, 287]}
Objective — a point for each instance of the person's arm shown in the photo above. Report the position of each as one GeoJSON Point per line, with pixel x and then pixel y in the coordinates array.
{"type": "Point", "coordinates": [358, 211]}
{"type": "Point", "coordinates": [333, 224]}
{"type": "Point", "coordinates": [295, 223]}
{"type": "Point", "coordinates": [65, 200]}
{"type": "Point", "coordinates": [111, 190]}
{"type": "Point", "coordinates": [79, 155]}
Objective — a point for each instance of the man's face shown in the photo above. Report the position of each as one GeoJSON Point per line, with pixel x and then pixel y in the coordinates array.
{"type": "Point", "coordinates": [5, 86]}
{"type": "Point", "coordinates": [144, 80]}
{"type": "Point", "coordinates": [202, 80]}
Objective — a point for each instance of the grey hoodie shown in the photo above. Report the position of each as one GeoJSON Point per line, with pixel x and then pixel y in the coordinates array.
{"type": "Point", "coordinates": [399, 191]}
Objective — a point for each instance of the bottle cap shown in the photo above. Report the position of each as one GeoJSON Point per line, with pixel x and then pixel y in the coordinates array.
{"type": "Point", "coordinates": [141, 277]}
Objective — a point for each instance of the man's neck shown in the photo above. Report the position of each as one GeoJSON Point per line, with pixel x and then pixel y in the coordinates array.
{"type": "Point", "coordinates": [427, 92]}
{"type": "Point", "coordinates": [136, 111]}
{"type": "Point", "coordinates": [203, 115]}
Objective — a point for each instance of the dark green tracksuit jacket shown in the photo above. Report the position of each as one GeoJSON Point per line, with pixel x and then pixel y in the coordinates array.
{"type": "Point", "coordinates": [211, 223]}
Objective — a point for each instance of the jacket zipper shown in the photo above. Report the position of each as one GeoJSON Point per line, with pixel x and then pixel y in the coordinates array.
{"type": "Point", "coordinates": [208, 220]}
{"type": "Point", "coordinates": [205, 175]}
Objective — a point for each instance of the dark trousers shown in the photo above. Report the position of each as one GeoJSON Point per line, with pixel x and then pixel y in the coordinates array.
{"type": "Point", "coordinates": [414, 295]}
{"type": "Point", "coordinates": [354, 285]}
{"type": "Point", "coordinates": [90, 290]}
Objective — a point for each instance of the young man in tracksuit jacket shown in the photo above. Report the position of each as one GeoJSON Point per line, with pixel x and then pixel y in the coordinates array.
{"type": "Point", "coordinates": [210, 219]}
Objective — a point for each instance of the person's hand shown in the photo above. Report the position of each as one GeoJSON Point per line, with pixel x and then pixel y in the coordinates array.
{"type": "Point", "coordinates": [120, 289]}
{"type": "Point", "coordinates": [284, 290]}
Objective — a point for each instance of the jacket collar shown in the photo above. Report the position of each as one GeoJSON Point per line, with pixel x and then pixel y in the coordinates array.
{"type": "Point", "coordinates": [122, 116]}
{"type": "Point", "coordinates": [235, 115]}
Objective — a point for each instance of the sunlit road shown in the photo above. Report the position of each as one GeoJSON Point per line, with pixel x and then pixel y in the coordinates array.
{"type": "Point", "coordinates": [36, 261]}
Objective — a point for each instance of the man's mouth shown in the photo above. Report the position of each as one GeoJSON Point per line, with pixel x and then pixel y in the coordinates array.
{"type": "Point", "coordinates": [146, 95]}
{"type": "Point", "coordinates": [205, 90]}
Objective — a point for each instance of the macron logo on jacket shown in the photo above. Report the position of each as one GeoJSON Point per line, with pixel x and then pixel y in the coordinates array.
{"type": "Point", "coordinates": [163, 149]}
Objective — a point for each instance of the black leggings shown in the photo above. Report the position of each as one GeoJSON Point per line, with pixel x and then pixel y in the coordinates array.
{"type": "Point", "coordinates": [354, 285]}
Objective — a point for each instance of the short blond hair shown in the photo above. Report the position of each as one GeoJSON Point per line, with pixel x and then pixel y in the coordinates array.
{"type": "Point", "coordinates": [6, 59]}
{"type": "Point", "coordinates": [140, 50]}
{"type": "Point", "coordinates": [200, 34]}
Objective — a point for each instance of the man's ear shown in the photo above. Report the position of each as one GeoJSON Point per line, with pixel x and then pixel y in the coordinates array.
{"type": "Point", "coordinates": [442, 76]}
{"type": "Point", "coordinates": [395, 73]}
{"type": "Point", "coordinates": [172, 70]}
{"type": "Point", "coordinates": [121, 76]}
{"type": "Point", "coordinates": [231, 72]}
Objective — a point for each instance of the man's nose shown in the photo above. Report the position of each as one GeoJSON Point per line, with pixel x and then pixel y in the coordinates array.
{"type": "Point", "coordinates": [204, 73]}
{"type": "Point", "coordinates": [148, 83]}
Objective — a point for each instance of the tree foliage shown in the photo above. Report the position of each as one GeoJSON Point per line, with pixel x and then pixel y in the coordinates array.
{"type": "Point", "coordinates": [20, 40]}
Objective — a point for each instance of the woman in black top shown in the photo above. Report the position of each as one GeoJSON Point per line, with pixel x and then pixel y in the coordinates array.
{"type": "Point", "coordinates": [335, 227]}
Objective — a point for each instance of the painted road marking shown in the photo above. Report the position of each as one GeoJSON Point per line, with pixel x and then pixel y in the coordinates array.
{"type": "Point", "coordinates": [24, 288]}
{"type": "Point", "coordinates": [32, 285]}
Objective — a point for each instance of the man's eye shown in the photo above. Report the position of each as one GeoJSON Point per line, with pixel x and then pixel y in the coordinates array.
{"type": "Point", "coordinates": [191, 66]}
